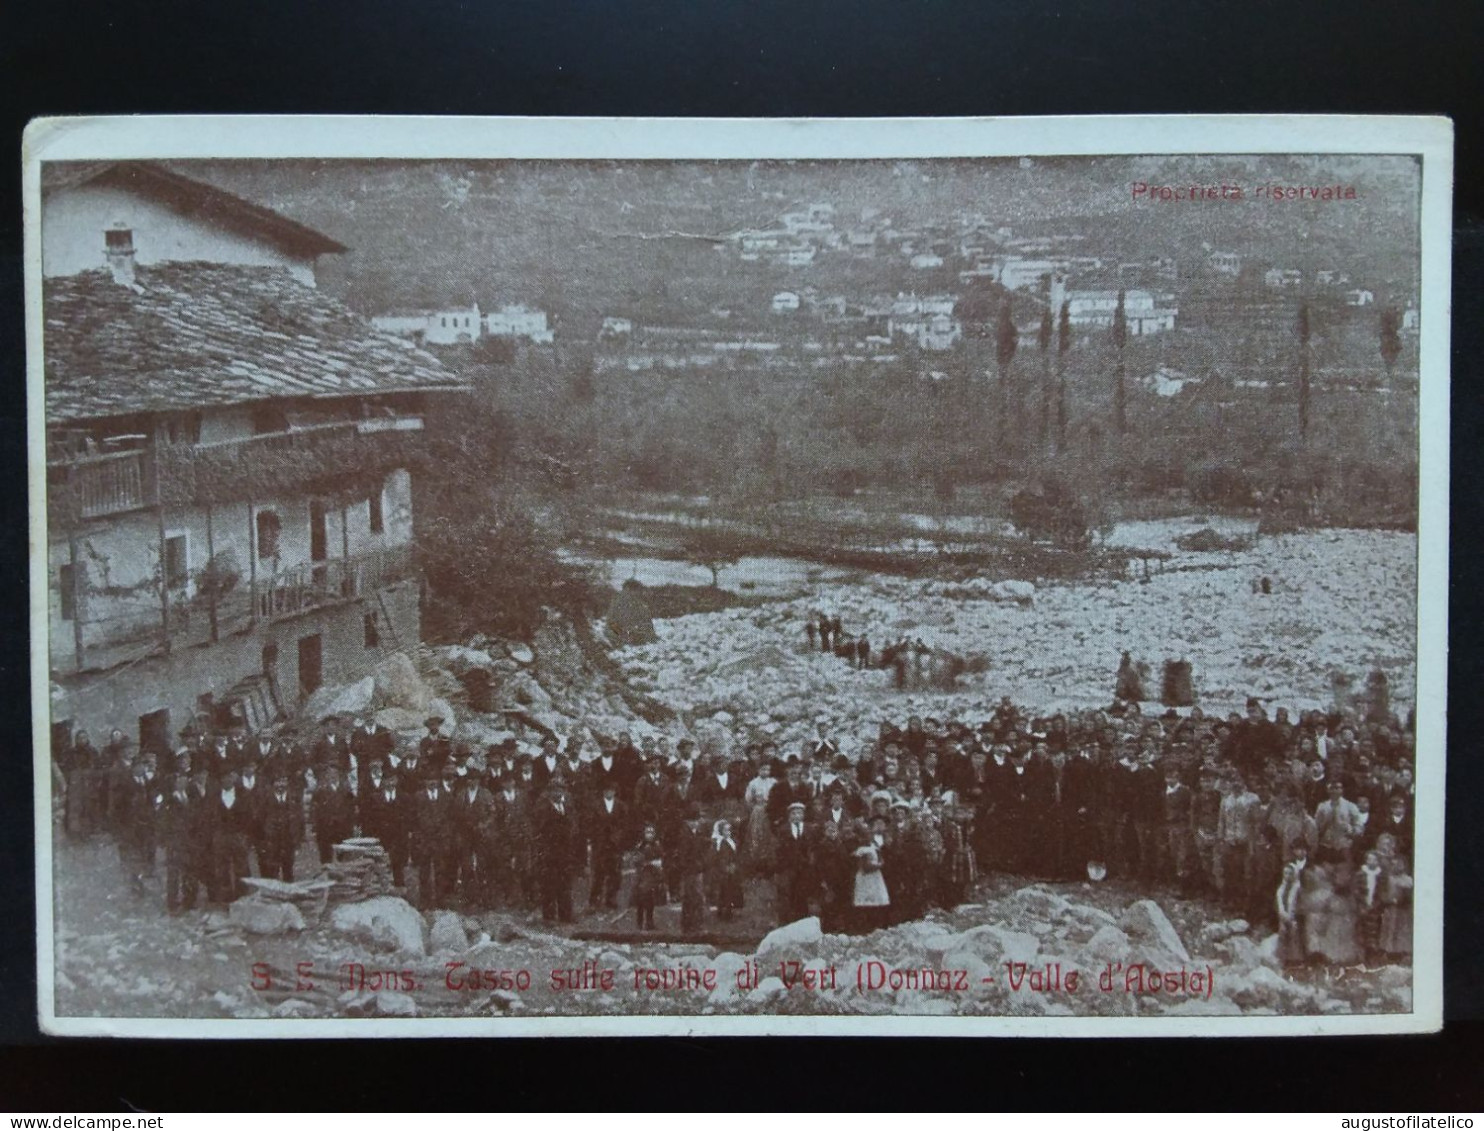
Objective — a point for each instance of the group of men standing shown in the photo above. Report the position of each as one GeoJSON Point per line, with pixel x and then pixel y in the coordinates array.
{"type": "Point", "coordinates": [1208, 806]}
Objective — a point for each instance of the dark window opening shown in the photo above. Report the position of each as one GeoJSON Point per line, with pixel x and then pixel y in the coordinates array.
{"type": "Point", "coordinates": [270, 531]}
{"type": "Point", "coordinates": [373, 637]}
{"type": "Point", "coordinates": [177, 562]}
{"type": "Point", "coordinates": [376, 518]}
{"type": "Point", "coordinates": [311, 665]}
{"type": "Point", "coordinates": [119, 239]}
{"type": "Point", "coordinates": [67, 588]}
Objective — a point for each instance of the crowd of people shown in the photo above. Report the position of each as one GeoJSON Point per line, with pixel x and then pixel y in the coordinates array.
{"type": "Point", "coordinates": [1300, 824]}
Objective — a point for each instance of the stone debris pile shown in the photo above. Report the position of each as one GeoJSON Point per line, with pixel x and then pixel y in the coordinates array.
{"type": "Point", "coordinates": [360, 870]}
{"type": "Point", "coordinates": [1340, 600]}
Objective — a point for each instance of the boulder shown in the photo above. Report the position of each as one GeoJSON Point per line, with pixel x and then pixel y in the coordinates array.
{"type": "Point", "coordinates": [506, 1001]}
{"type": "Point", "coordinates": [1240, 953]}
{"type": "Point", "coordinates": [998, 944]}
{"type": "Point", "coordinates": [400, 720]}
{"type": "Point", "coordinates": [1259, 986]}
{"type": "Point", "coordinates": [1017, 592]}
{"type": "Point", "coordinates": [767, 990]}
{"type": "Point", "coordinates": [726, 966]}
{"type": "Point", "coordinates": [351, 700]}
{"type": "Point", "coordinates": [458, 659]}
{"type": "Point", "coordinates": [792, 940]}
{"type": "Point", "coordinates": [294, 1008]}
{"type": "Point", "coordinates": [1108, 944]}
{"type": "Point", "coordinates": [442, 707]}
{"type": "Point", "coordinates": [391, 1003]}
{"type": "Point", "coordinates": [386, 917]}
{"type": "Point", "coordinates": [399, 685]}
{"type": "Point", "coordinates": [977, 969]}
{"type": "Point", "coordinates": [263, 917]}
{"type": "Point", "coordinates": [1037, 903]}
{"type": "Point", "coordinates": [446, 934]}
{"type": "Point", "coordinates": [1145, 922]}
{"type": "Point", "coordinates": [523, 691]}
{"type": "Point", "coordinates": [1220, 931]}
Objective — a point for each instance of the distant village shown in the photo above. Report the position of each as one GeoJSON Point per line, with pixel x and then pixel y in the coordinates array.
{"type": "Point", "coordinates": [811, 324]}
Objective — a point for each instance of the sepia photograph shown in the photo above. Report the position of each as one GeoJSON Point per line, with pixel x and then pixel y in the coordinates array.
{"type": "Point", "coordinates": [654, 577]}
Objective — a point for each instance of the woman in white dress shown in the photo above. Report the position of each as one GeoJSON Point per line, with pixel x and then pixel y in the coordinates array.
{"type": "Point", "coordinates": [872, 902]}
{"type": "Point", "coordinates": [759, 837]}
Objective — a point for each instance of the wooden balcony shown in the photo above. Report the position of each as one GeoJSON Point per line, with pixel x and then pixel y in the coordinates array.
{"type": "Point", "coordinates": [135, 633]}
{"type": "Point", "coordinates": [313, 585]}
{"type": "Point", "coordinates": [102, 485]}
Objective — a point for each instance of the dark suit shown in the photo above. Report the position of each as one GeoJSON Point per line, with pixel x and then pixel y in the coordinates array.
{"type": "Point", "coordinates": [185, 852]}
{"type": "Point", "coordinates": [556, 853]}
{"type": "Point", "coordinates": [474, 843]}
{"type": "Point", "coordinates": [367, 744]}
{"type": "Point", "coordinates": [432, 844]}
{"type": "Point", "coordinates": [231, 832]}
{"type": "Point", "coordinates": [334, 814]}
{"type": "Point", "coordinates": [609, 834]}
{"type": "Point", "coordinates": [389, 819]}
{"type": "Point", "coordinates": [514, 874]}
{"type": "Point", "coordinates": [793, 871]}
{"type": "Point", "coordinates": [282, 828]}
{"type": "Point", "coordinates": [333, 750]}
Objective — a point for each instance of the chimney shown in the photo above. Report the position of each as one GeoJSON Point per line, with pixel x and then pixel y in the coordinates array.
{"type": "Point", "coordinates": [118, 253]}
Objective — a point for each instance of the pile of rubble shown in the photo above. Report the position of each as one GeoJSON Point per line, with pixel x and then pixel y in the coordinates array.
{"type": "Point", "coordinates": [1037, 951]}
{"type": "Point", "coordinates": [360, 870]}
{"type": "Point", "coordinates": [1339, 600]}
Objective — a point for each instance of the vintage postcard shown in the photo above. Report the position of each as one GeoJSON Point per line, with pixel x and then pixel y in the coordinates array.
{"type": "Point", "coordinates": [623, 577]}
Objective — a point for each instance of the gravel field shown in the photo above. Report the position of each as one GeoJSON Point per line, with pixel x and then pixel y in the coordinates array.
{"type": "Point", "coordinates": [1341, 600]}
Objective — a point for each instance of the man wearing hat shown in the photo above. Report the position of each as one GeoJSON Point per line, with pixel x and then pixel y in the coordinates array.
{"type": "Point", "coordinates": [434, 746]}
{"type": "Point", "coordinates": [688, 846]}
{"type": "Point", "coordinates": [720, 787]}
{"type": "Point", "coordinates": [557, 848]}
{"type": "Point", "coordinates": [793, 872]}
{"type": "Point", "coordinates": [145, 800]}
{"type": "Point", "coordinates": [369, 740]}
{"type": "Point", "coordinates": [606, 770]}
{"type": "Point", "coordinates": [655, 800]}
{"type": "Point", "coordinates": [475, 835]}
{"type": "Point", "coordinates": [230, 828]}
{"type": "Point", "coordinates": [184, 851]}
{"type": "Point", "coordinates": [513, 874]}
{"type": "Point", "coordinates": [786, 792]}
{"type": "Point", "coordinates": [607, 831]}
{"type": "Point", "coordinates": [386, 814]}
{"type": "Point", "coordinates": [333, 811]}
{"type": "Point", "coordinates": [333, 748]}
{"type": "Point", "coordinates": [251, 791]}
{"type": "Point", "coordinates": [432, 842]}
{"type": "Point", "coordinates": [548, 765]}
{"type": "Point", "coordinates": [281, 819]}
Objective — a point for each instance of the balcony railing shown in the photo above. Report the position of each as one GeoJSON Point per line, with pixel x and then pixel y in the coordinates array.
{"type": "Point", "coordinates": [135, 630]}
{"type": "Point", "coordinates": [311, 585]}
{"type": "Point", "coordinates": [102, 485]}
{"type": "Point", "coordinates": [95, 486]}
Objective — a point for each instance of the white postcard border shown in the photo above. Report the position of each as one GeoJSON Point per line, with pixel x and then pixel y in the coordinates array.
{"type": "Point", "coordinates": [331, 137]}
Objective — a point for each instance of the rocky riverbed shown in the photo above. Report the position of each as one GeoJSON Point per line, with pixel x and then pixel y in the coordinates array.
{"type": "Point", "coordinates": [1339, 601]}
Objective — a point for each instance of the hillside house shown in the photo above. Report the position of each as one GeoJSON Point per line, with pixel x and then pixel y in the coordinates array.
{"type": "Point", "coordinates": [519, 321]}
{"type": "Point", "coordinates": [229, 460]}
